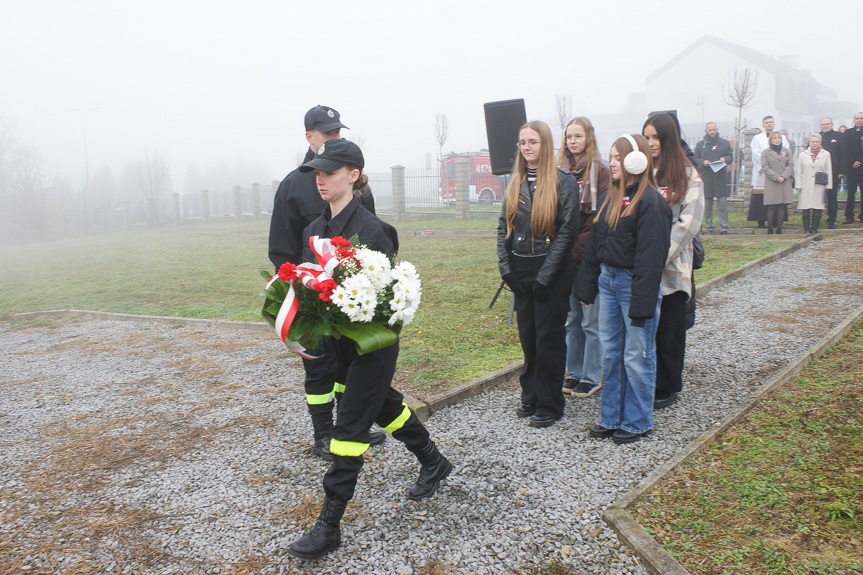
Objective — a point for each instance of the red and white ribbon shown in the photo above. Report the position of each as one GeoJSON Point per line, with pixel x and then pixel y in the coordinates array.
{"type": "Point", "coordinates": [311, 275]}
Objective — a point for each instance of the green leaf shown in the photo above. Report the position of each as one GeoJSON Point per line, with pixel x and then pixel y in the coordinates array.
{"type": "Point", "coordinates": [265, 274]}
{"type": "Point", "coordinates": [369, 336]}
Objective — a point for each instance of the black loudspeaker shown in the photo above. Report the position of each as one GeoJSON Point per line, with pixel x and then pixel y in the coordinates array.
{"type": "Point", "coordinates": [503, 120]}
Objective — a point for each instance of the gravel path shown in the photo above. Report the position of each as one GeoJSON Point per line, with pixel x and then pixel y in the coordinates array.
{"type": "Point", "coordinates": [151, 448]}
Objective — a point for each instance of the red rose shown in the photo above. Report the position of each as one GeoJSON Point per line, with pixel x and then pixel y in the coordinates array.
{"type": "Point", "coordinates": [287, 272]}
{"type": "Point", "coordinates": [345, 253]}
{"type": "Point", "coordinates": [326, 288]}
{"type": "Point", "coordinates": [340, 242]}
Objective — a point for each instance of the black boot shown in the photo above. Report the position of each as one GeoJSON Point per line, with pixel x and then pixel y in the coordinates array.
{"type": "Point", "coordinates": [322, 423]}
{"type": "Point", "coordinates": [816, 220]}
{"type": "Point", "coordinates": [806, 222]}
{"type": "Point", "coordinates": [325, 536]}
{"type": "Point", "coordinates": [435, 468]}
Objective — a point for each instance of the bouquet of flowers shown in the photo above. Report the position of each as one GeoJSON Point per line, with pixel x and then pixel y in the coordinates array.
{"type": "Point", "coordinates": [351, 291]}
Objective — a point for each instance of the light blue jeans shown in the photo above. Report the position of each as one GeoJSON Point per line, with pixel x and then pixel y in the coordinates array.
{"type": "Point", "coordinates": [629, 355]}
{"type": "Point", "coordinates": [583, 350]}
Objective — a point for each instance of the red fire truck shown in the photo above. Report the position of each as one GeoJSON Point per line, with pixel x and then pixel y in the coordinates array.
{"type": "Point", "coordinates": [484, 187]}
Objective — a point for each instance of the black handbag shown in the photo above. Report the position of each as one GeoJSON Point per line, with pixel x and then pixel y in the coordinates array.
{"type": "Point", "coordinates": [821, 178]}
{"type": "Point", "coordinates": [697, 253]}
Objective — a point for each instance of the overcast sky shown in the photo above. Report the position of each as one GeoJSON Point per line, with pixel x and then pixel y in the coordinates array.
{"type": "Point", "coordinates": [215, 81]}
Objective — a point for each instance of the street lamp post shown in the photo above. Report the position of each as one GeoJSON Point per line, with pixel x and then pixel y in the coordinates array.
{"type": "Point", "coordinates": [86, 167]}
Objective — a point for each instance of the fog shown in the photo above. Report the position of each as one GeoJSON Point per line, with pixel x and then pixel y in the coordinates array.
{"type": "Point", "coordinates": [223, 86]}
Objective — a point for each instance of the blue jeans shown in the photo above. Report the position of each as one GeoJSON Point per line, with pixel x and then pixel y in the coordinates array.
{"type": "Point", "coordinates": [583, 350]}
{"type": "Point", "coordinates": [629, 355]}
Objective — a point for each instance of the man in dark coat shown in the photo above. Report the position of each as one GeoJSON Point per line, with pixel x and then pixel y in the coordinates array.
{"type": "Point", "coordinates": [296, 205]}
{"type": "Point", "coordinates": [831, 140]}
{"type": "Point", "coordinates": [713, 156]}
{"type": "Point", "coordinates": [852, 166]}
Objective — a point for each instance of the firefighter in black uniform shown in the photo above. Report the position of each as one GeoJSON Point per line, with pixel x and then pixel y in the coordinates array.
{"type": "Point", "coordinates": [368, 396]}
{"type": "Point", "coordinates": [296, 205]}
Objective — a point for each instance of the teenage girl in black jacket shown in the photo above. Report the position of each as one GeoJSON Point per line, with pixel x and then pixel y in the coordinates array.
{"type": "Point", "coordinates": [623, 263]}
{"type": "Point", "coordinates": [537, 227]}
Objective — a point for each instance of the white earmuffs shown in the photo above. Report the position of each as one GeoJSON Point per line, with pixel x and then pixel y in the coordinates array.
{"type": "Point", "coordinates": [635, 162]}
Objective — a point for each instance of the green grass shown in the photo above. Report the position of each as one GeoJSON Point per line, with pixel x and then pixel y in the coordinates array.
{"type": "Point", "coordinates": [780, 493]}
{"type": "Point", "coordinates": [211, 271]}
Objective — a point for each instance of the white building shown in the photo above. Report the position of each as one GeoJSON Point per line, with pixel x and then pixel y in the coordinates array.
{"type": "Point", "coordinates": [693, 83]}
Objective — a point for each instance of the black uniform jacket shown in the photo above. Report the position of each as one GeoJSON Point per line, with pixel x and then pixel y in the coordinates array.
{"type": "Point", "coordinates": [639, 243]}
{"type": "Point", "coordinates": [852, 149]}
{"type": "Point", "coordinates": [296, 205]}
{"type": "Point", "coordinates": [832, 142]}
{"type": "Point", "coordinates": [353, 219]}
{"type": "Point", "coordinates": [522, 241]}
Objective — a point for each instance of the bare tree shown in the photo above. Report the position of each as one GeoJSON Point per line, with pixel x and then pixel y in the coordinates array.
{"type": "Point", "coordinates": [441, 133]}
{"type": "Point", "coordinates": [152, 177]}
{"type": "Point", "coordinates": [740, 92]}
{"type": "Point", "coordinates": [563, 110]}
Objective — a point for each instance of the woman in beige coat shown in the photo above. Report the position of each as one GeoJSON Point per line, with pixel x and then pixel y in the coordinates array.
{"type": "Point", "coordinates": [777, 167]}
{"type": "Point", "coordinates": [810, 196]}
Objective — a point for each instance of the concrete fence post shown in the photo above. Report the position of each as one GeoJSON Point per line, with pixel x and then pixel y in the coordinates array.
{"type": "Point", "coordinates": [398, 173]}
{"type": "Point", "coordinates": [175, 208]}
{"type": "Point", "coordinates": [238, 193]}
{"type": "Point", "coordinates": [256, 200]}
{"type": "Point", "coordinates": [462, 187]}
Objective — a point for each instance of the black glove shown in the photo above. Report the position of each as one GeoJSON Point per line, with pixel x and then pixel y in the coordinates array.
{"type": "Point", "coordinates": [514, 285]}
{"type": "Point", "coordinates": [541, 292]}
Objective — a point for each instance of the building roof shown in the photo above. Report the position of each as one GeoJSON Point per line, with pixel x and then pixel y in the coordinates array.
{"type": "Point", "coordinates": [755, 57]}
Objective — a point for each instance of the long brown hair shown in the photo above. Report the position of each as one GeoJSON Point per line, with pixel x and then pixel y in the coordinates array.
{"type": "Point", "coordinates": [672, 172]}
{"type": "Point", "coordinates": [565, 158]}
{"type": "Point", "coordinates": [617, 189]}
{"type": "Point", "coordinates": [544, 207]}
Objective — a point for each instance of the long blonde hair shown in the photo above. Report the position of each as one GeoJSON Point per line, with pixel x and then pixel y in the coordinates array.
{"type": "Point", "coordinates": [565, 159]}
{"type": "Point", "coordinates": [617, 189]}
{"type": "Point", "coordinates": [544, 207]}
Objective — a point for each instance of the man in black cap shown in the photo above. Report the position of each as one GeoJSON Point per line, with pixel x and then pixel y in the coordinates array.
{"type": "Point", "coordinates": [296, 205]}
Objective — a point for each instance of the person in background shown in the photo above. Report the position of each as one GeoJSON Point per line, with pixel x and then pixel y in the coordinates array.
{"type": "Point", "coordinates": [714, 149]}
{"type": "Point", "coordinates": [777, 167]}
{"type": "Point", "coordinates": [537, 227]}
{"type": "Point", "coordinates": [683, 189]}
{"type": "Point", "coordinates": [852, 166]}
{"type": "Point", "coordinates": [623, 264]}
{"type": "Point", "coordinates": [296, 204]}
{"type": "Point", "coordinates": [842, 129]}
{"type": "Point", "coordinates": [580, 155]}
{"type": "Point", "coordinates": [831, 141]}
{"type": "Point", "coordinates": [759, 143]}
{"type": "Point", "coordinates": [369, 396]}
{"type": "Point", "coordinates": [810, 193]}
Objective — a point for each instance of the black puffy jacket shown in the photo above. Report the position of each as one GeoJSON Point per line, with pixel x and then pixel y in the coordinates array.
{"type": "Point", "coordinates": [521, 241]}
{"type": "Point", "coordinates": [639, 243]}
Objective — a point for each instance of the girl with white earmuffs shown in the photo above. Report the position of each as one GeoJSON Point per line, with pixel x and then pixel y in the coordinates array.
{"type": "Point", "coordinates": [622, 264]}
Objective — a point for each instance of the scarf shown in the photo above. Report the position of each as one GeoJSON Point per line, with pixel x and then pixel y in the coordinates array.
{"type": "Point", "coordinates": [776, 148]}
{"type": "Point", "coordinates": [588, 187]}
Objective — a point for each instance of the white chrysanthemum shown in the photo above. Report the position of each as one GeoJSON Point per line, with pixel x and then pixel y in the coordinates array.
{"type": "Point", "coordinates": [375, 266]}
{"type": "Point", "coordinates": [353, 297]}
{"type": "Point", "coordinates": [407, 292]}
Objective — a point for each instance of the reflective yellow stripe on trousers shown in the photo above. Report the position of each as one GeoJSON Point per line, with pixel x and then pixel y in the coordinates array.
{"type": "Point", "coordinates": [347, 448]}
{"type": "Point", "coordinates": [399, 421]}
{"type": "Point", "coordinates": [320, 399]}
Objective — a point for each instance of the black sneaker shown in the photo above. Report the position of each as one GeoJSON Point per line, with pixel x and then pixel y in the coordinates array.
{"type": "Point", "coordinates": [585, 389]}
{"type": "Point", "coordinates": [569, 384]}
{"type": "Point", "coordinates": [663, 402]}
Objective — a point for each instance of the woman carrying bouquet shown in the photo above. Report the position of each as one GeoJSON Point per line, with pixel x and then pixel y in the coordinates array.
{"type": "Point", "coordinates": [368, 397]}
{"type": "Point", "coordinates": [623, 263]}
{"type": "Point", "coordinates": [537, 226]}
